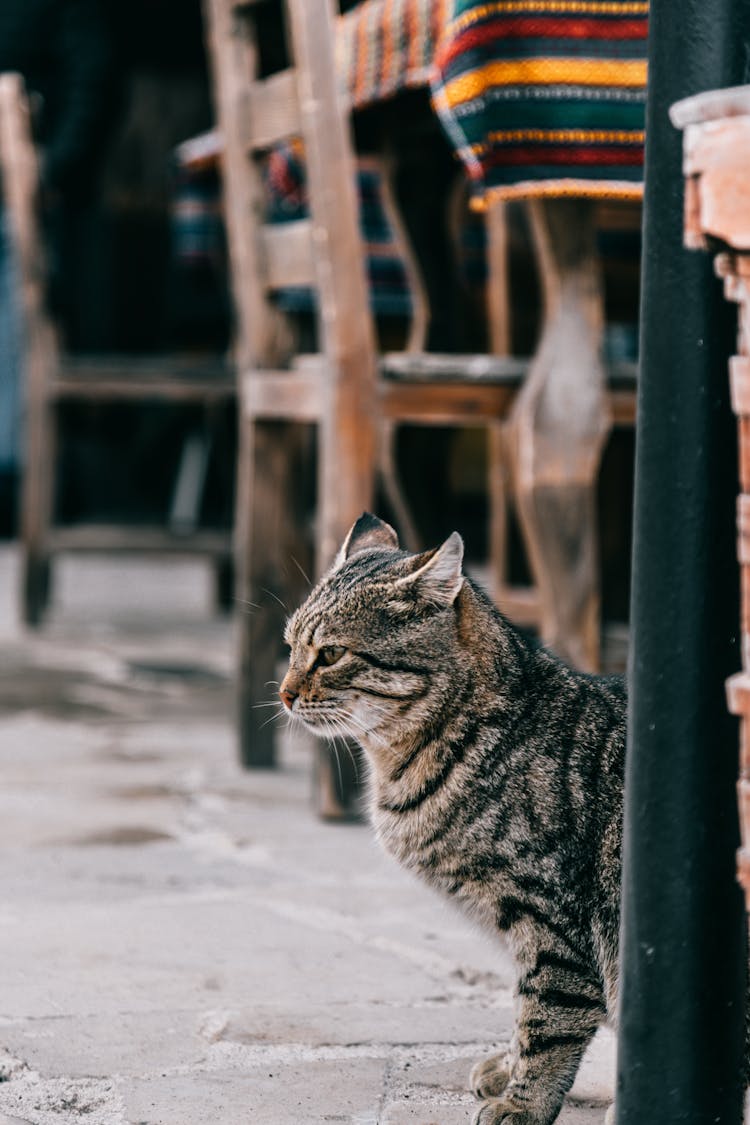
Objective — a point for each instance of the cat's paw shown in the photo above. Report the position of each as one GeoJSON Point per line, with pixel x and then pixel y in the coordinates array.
{"type": "Point", "coordinates": [515, 1106]}
{"type": "Point", "coordinates": [496, 1111]}
{"type": "Point", "coordinates": [490, 1076]}
{"type": "Point", "coordinates": [610, 1117]}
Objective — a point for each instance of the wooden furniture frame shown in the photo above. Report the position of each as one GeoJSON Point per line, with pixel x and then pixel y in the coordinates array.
{"type": "Point", "coordinates": [354, 398]}
{"type": "Point", "coordinates": [51, 379]}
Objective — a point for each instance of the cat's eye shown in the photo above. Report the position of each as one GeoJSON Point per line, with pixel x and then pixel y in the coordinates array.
{"type": "Point", "coordinates": [330, 654]}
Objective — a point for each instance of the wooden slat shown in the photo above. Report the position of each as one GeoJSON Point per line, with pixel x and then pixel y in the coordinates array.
{"type": "Point", "coordinates": [147, 379]}
{"type": "Point", "coordinates": [271, 110]}
{"type": "Point", "coordinates": [292, 395]}
{"type": "Point", "coordinates": [288, 254]}
{"type": "Point", "coordinates": [520, 604]}
{"type": "Point", "coordinates": [156, 367]}
{"type": "Point", "coordinates": [142, 378]}
{"type": "Point", "coordinates": [623, 405]}
{"type": "Point", "coordinates": [425, 391]}
{"type": "Point", "coordinates": [348, 430]}
{"type": "Point", "coordinates": [92, 390]}
{"type": "Point", "coordinates": [434, 367]}
{"type": "Point", "coordinates": [445, 403]}
{"type": "Point", "coordinates": [92, 538]}
{"type": "Point", "coordinates": [235, 65]}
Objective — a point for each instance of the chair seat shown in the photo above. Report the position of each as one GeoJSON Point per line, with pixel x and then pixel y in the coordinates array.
{"type": "Point", "coordinates": [136, 539]}
{"type": "Point", "coordinates": [432, 367]}
{"type": "Point", "coordinates": [419, 386]}
{"type": "Point", "coordinates": [144, 378]}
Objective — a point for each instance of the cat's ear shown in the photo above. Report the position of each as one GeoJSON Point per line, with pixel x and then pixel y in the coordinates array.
{"type": "Point", "coordinates": [439, 580]}
{"type": "Point", "coordinates": [367, 533]}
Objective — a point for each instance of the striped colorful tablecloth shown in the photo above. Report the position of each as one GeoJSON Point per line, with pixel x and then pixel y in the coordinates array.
{"type": "Point", "coordinates": [545, 97]}
{"type": "Point", "coordinates": [385, 46]}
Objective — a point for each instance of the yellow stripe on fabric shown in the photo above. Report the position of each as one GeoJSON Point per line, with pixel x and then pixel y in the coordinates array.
{"type": "Point", "coordinates": [557, 189]}
{"type": "Point", "coordinates": [547, 7]}
{"type": "Point", "coordinates": [576, 136]}
{"type": "Point", "coordinates": [542, 72]}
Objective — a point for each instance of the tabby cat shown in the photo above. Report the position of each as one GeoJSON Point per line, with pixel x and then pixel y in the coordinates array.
{"type": "Point", "coordinates": [496, 775]}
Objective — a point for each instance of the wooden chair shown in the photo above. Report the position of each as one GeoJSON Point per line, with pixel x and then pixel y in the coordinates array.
{"type": "Point", "coordinates": [53, 379]}
{"type": "Point", "coordinates": [354, 398]}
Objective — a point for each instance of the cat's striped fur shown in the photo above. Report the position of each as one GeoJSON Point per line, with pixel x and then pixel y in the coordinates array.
{"type": "Point", "coordinates": [497, 776]}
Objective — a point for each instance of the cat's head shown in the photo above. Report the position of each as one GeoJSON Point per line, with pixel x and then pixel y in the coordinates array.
{"type": "Point", "coordinates": [375, 643]}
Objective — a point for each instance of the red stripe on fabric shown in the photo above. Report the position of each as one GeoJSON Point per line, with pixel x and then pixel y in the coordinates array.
{"type": "Point", "coordinates": [530, 27]}
{"type": "Point", "coordinates": [573, 154]}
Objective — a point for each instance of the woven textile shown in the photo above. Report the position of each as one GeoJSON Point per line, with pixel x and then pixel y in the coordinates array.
{"type": "Point", "coordinates": [545, 97]}
{"type": "Point", "coordinates": [384, 46]}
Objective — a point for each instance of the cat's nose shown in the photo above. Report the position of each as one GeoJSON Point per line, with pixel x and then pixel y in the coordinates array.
{"type": "Point", "coordinates": [287, 698]}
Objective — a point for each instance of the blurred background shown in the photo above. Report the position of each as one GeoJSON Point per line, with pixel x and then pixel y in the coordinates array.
{"type": "Point", "coordinates": [263, 265]}
{"type": "Point", "coordinates": [137, 264]}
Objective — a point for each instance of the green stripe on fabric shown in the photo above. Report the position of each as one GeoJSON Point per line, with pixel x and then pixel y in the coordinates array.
{"type": "Point", "coordinates": [558, 115]}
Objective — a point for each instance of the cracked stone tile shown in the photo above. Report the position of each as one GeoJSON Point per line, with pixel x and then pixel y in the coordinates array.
{"type": "Point", "coordinates": [281, 1093]}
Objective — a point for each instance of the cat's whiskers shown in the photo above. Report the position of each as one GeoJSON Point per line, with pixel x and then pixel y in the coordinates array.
{"type": "Point", "coordinates": [344, 738]}
{"type": "Point", "coordinates": [245, 602]}
{"type": "Point", "coordinates": [331, 738]}
{"type": "Point", "coordinates": [304, 574]}
{"type": "Point", "coordinates": [275, 597]}
{"type": "Point", "coordinates": [278, 715]}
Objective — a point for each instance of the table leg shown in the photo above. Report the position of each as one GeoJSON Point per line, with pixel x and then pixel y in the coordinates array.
{"type": "Point", "coordinates": [558, 428]}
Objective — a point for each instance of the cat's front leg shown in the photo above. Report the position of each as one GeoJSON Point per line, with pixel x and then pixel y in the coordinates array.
{"type": "Point", "coordinates": [556, 1021]}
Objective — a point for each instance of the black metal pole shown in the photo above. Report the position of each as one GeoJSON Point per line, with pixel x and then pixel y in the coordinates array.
{"type": "Point", "coordinates": [683, 941]}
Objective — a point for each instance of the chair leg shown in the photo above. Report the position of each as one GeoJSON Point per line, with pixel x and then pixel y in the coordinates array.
{"type": "Point", "coordinates": [347, 457]}
{"type": "Point", "coordinates": [558, 428]}
{"type": "Point", "coordinates": [36, 494]}
{"type": "Point", "coordinates": [338, 781]}
{"type": "Point", "coordinates": [268, 586]}
{"type": "Point", "coordinates": [393, 490]}
{"type": "Point", "coordinates": [36, 581]}
{"type": "Point", "coordinates": [224, 584]}
{"type": "Point", "coordinates": [498, 509]}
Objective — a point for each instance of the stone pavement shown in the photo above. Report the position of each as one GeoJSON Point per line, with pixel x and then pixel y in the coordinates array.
{"type": "Point", "coordinates": [182, 943]}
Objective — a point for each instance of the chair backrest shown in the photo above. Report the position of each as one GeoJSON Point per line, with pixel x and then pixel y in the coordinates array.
{"type": "Point", "coordinates": [322, 252]}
